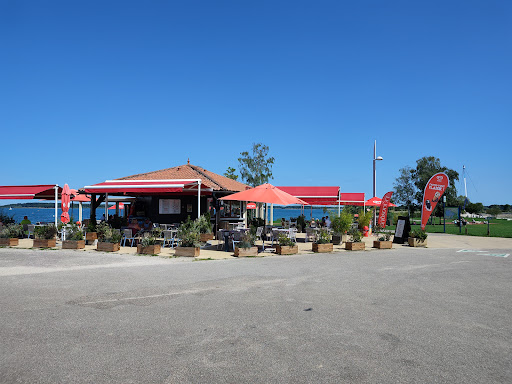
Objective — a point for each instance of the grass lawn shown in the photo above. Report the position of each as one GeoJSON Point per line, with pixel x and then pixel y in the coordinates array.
{"type": "Point", "coordinates": [498, 228]}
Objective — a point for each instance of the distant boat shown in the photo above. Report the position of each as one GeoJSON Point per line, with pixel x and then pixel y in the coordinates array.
{"type": "Point", "coordinates": [10, 208]}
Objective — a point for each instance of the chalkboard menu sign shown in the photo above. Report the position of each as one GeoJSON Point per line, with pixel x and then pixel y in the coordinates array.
{"type": "Point", "coordinates": [403, 227]}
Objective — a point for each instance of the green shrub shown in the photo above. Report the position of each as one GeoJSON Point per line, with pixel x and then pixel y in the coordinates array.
{"type": "Point", "coordinates": [285, 241]}
{"type": "Point", "coordinates": [188, 233]}
{"type": "Point", "coordinates": [341, 223]}
{"type": "Point", "coordinates": [204, 224]}
{"type": "Point", "coordinates": [74, 233]}
{"type": "Point", "coordinates": [418, 234]}
{"type": "Point", "coordinates": [106, 234]}
{"type": "Point", "coordinates": [301, 223]}
{"type": "Point", "coordinates": [365, 218]}
{"type": "Point", "coordinates": [147, 241]}
{"type": "Point", "coordinates": [381, 234]}
{"type": "Point", "coordinates": [12, 231]}
{"type": "Point", "coordinates": [6, 219]}
{"type": "Point", "coordinates": [247, 240]}
{"type": "Point", "coordinates": [355, 235]}
{"type": "Point", "coordinates": [323, 237]}
{"type": "Point", "coordinates": [45, 232]}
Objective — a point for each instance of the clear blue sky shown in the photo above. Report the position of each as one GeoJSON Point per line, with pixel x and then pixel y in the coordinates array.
{"type": "Point", "coordinates": [95, 90]}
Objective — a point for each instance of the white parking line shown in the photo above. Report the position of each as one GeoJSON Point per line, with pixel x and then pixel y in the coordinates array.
{"type": "Point", "coordinates": [483, 253]}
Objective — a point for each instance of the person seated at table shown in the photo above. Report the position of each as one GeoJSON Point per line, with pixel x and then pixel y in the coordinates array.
{"type": "Point", "coordinates": [327, 222]}
{"type": "Point", "coordinates": [134, 226]}
{"type": "Point", "coordinates": [313, 223]}
{"type": "Point", "coordinates": [283, 222]}
{"type": "Point", "coordinates": [148, 225]}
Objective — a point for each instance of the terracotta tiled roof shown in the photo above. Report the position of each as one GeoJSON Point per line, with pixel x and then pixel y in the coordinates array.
{"type": "Point", "coordinates": [189, 171]}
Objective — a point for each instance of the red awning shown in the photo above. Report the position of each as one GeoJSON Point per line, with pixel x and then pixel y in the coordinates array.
{"type": "Point", "coordinates": [352, 198]}
{"type": "Point", "coordinates": [43, 192]}
{"type": "Point", "coordinates": [153, 187]}
{"type": "Point", "coordinates": [314, 195]}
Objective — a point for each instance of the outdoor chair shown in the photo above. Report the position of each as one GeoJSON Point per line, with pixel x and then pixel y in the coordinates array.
{"type": "Point", "coordinates": [259, 231]}
{"type": "Point", "coordinates": [235, 238]}
{"type": "Point", "coordinates": [293, 234]}
{"type": "Point", "coordinates": [310, 234]}
{"type": "Point", "coordinates": [275, 235]}
{"type": "Point", "coordinates": [29, 229]}
{"type": "Point", "coordinates": [127, 235]}
{"type": "Point", "coordinates": [169, 238]}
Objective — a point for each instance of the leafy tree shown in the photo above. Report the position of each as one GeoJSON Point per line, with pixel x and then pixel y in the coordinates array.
{"type": "Point", "coordinates": [506, 208]}
{"type": "Point", "coordinates": [474, 208]}
{"type": "Point", "coordinates": [256, 169]}
{"type": "Point", "coordinates": [230, 172]}
{"type": "Point", "coordinates": [405, 189]}
{"type": "Point", "coordinates": [428, 166]}
{"type": "Point", "coordinates": [494, 210]}
{"type": "Point", "coordinates": [410, 185]}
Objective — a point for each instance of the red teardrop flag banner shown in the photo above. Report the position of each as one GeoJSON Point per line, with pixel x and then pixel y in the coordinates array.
{"type": "Point", "coordinates": [432, 195]}
{"type": "Point", "coordinates": [383, 211]}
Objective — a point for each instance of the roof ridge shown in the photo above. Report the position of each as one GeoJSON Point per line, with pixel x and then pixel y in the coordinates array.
{"type": "Point", "coordinates": [204, 174]}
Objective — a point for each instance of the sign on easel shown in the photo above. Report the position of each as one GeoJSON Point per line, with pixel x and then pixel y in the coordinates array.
{"type": "Point", "coordinates": [403, 227]}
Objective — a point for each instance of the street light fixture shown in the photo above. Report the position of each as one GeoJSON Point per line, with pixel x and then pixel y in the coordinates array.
{"type": "Point", "coordinates": [375, 159]}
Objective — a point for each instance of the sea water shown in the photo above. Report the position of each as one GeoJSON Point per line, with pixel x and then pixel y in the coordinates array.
{"type": "Point", "coordinates": [47, 215]}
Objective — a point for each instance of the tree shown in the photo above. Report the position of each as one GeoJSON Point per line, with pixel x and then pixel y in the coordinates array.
{"type": "Point", "coordinates": [405, 189]}
{"type": "Point", "coordinates": [494, 210]}
{"type": "Point", "coordinates": [230, 172]}
{"type": "Point", "coordinates": [428, 166]}
{"type": "Point", "coordinates": [410, 185]}
{"type": "Point", "coordinates": [256, 169]}
{"type": "Point", "coordinates": [474, 208]}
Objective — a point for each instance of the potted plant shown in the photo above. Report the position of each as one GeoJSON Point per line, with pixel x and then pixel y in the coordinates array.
{"type": "Point", "coordinates": [355, 243]}
{"type": "Point", "coordinates": [44, 236]}
{"type": "Point", "coordinates": [364, 221]}
{"type": "Point", "coordinates": [91, 234]}
{"type": "Point", "coordinates": [323, 242]}
{"type": "Point", "coordinates": [189, 241]}
{"type": "Point", "coordinates": [286, 246]}
{"type": "Point", "coordinates": [418, 238]}
{"type": "Point", "coordinates": [10, 234]}
{"type": "Point", "coordinates": [204, 227]}
{"type": "Point", "coordinates": [74, 238]}
{"type": "Point", "coordinates": [383, 239]}
{"type": "Point", "coordinates": [246, 246]}
{"type": "Point", "coordinates": [148, 246]}
{"type": "Point", "coordinates": [108, 239]}
{"type": "Point", "coordinates": [340, 225]}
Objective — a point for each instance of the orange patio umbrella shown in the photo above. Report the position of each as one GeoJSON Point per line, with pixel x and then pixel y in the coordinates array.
{"type": "Point", "coordinates": [121, 206]}
{"type": "Point", "coordinates": [265, 193]}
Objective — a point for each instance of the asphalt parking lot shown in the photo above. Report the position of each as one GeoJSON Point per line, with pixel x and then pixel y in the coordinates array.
{"type": "Point", "coordinates": [392, 316]}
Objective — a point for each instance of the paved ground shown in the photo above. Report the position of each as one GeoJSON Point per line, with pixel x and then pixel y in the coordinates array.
{"type": "Point", "coordinates": [403, 315]}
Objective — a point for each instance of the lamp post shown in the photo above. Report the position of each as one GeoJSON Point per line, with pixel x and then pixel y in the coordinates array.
{"type": "Point", "coordinates": [375, 158]}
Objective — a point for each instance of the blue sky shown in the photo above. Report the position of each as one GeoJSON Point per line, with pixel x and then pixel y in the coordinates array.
{"type": "Point", "coordinates": [95, 90]}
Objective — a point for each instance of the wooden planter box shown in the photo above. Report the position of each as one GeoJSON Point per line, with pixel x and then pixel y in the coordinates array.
{"type": "Point", "coordinates": [338, 239]}
{"type": "Point", "coordinates": [242, 252]}
{"type": "Point", "coordinates": [90, 237]}
{"type": "Point", "coordinates": [287, 249]}
{"type": "Point", "coordinates": [9, 242]}
{"type": "Point", "coordinates": [382, 244]}
{"type": "Point", "coordinates": [322, 248]}
{"type": "Point", "coordinates": [187, 251]}
{"type": "Point", "coordinates": [351, 246]}
{"type": "Point", "coordinates": [149, 250]}
{"type": "Point", "coordinates": [73, 244]}
{"type": "Point", "coordinates": [107, 247]}
{"type": "Point", "coordinates": [43, 243]}
{"type": "Point", "coordinates": [204, 237]}
{"type": "Point", "coordinates": [414, 242]}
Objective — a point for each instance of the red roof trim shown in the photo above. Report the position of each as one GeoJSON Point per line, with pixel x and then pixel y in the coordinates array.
{"type": "Point", "coordinates": [44, 192]}
{"type": "Point", "coordinates": [314, 195]}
